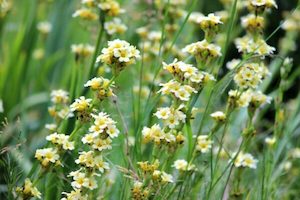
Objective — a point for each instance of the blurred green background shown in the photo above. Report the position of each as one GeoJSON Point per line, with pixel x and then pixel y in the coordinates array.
{"type": "Point", "coordinates": [26, 81]}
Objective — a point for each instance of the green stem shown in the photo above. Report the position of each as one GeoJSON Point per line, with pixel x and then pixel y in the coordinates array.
{"type": "Point", "coordinates": [99, 38]}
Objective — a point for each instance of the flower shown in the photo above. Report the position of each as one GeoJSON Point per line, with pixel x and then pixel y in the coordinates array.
{"type": "Point", "coordinates": [245, 160]}
{"type": "Point", "coordinates": [118, 54]}
{"type": "Point", "coordinates": [233, 63]}
{"type": "Point", "coordinates": [182, 92]}
{"type": "Point", "coordinates": [46, 156]}
{"type": "Point", "coordinates": [249, 161]}
{"type": "Point", "coordinates": [81, 104]}
{"type": "Point", "coordinates": [102, 86]}
{"type": "Point", "coordinates": [166, 178]}
{"type": "Point", "coordinates": [82, 50]}
{"type": "Point", "coordinates": [86, 14]}
{"type": "Point", "coordinates": [171, 116]}
{"type": "Point", "coordinates": [61, 140]}
{"type": "Point", "coordinates": [249, 75]}
{"type": "Point", "coordinates": [210, 22]}
{"type": "Point", "coordinates": [258, 47]}
{"type": "Point", "coordinates": [51, 127]}
{"type": "Point", "coordinates": [79, 179]}
{"type": "Point", "coordinates": [253, 23]}
{"type": "Point", "coordinates": [75, 194]}
{"type": "Point", "coordinates": [28, 190]}
{"type": "Point", "coordinates": [59, 97]}
{"type": "Point", "coordinates": [203, 50]}
{"type": "Point", "coordinates": [112, 8]}
{"type": "Point", "coordinates": [155, 133]}
{"type": "Point", "coordinates": [182, 165]}
{"type": "Point", "coordinates": [260, 5]}
{"type": "Point", "coordinates": [44, 27]}
{"type": "Point", "coordinates": [115, 26]}
{"type": "Point", "coordinates": [218, 116]}
{"type": "Point", "coordinates": [270, 140]}
{"type": "Point", "coordinates": [204, 144]}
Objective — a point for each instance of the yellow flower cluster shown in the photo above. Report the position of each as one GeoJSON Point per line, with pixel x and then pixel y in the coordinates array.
{"type": "Point", "coordinates": [90, 7]}
{"type": "Point", "coordinates": [82, 50]}
{"type": "Point", "coordinates": [83, 180]}
{"type": "Point", "coordinates": [218, 116]}
{"type": "Point", "coordinates": [253, 98]}
{"type": "Point", "coordinates": [47, 156]}
{"type": "Point", "coordinates": [172, 138]}
{"type": "Point", "coordinates": [204, 144]}
{"type": "Point", "coordinates": [81, 105]}
{"type": "Point", "coordinates": [62, 141]}
{"type": "Point", "coordinates": [253, 23]}
{"type": "Point", "coordinates": [258, 46]}
{"type": "Point", "coordinates": [139, 191]}
{"type": "Point", "coordinates": [92, 162]}
{"type": "Point", "coordinates": [179, 91]}
{"type": "Point", "coordinates": [86, 14]}
{"type": "Point", "coordinates": [115, 26]}
{"type": "Point", "coordinates": [60, 109]}
{"type": "Point", "coordinates": [5, 7]}
{"type": "Point", "coordinates": [59, 97]}
{"type": "Point", "coordinates": [186, 73]}
{"type": "Point", "coordinates": [74, 194]}
{"type": "Point", "coordinates": [245, 160]}
{"type": "Point", "coordinates": [292, 21]}
{"type": "Point", "coordinates": [260, 6]}
{"type": "Point", "coordinates": [101, 86]}
{"type": "Point", "coordinates": [249, 76]}
{"type": "Point", "coordinates": [111, 8]}
{"type": "Point", "coordinates": [183, 165]}
{"type": "Point", "coordinates": [101, 132]}
{"type": "Point", "coordinates": [44, 27]}
{"type": "Point", "coordinates": [210, 24]}
{"type": "Point", "coordinates": [172, 117]}
{"type": "Point", "coordinates": [158, 178]}
{"type": "Point", "coordinates": [118, 55]}
{"type": "Point", "coordinates": [203, 51]}
{"type": "Point", "coordinates": [28, 190]}
{"type": "Point", "coordinates": [175, 10]}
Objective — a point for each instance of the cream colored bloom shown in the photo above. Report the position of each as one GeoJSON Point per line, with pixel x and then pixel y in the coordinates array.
{"type": "Point", "coordinates": [81, 104]}
{"type": "Point", "coordinates": [218, 116]}
{"type": "Point", "coordinates": [203, 49]}
{"type": "Point", "coordinates": [51, 127]}
{"type": "Point", "coordinates": [85, 13]}
{"type": "Point", "coordinates": [119, 52]}
{"type": "Point", "coordinates": [245, 160]}
{"type": "Point", "coordinates": [75, 194]}
{"type": "Point", "coordinates": [155, 133]}
{"type": "Point", "coordinates": [115, 26]}
{"type": "Point", "coordinates": [204, 144]}
{"type": "Point", "coordinates": [166, 178]}
{"type": "Point", "coordinates": [79, 180]}
{"type": "Point", "coordinates": [47, 156]}
{"type": "Point", "coordinates": [28, 190]}
{"type": "Point", "coordinates": [44, 27]}
{"type": "Point", "coordinates": [182, 165]}
{"type": "Point", "coordinates": [112, 8]}
{"type": "Point", "coordinates": [233, 64]}
{"type": "Point", "coordinates": [61, 140]}
{"type": "Point", "coordinates": [270, 140]}
{"type": "Point", "coordinates": [83, 50]}
{"type": "Point", "coordinates": [249, 161]}
{"type": "Point", "coordinates": [59, 97]}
